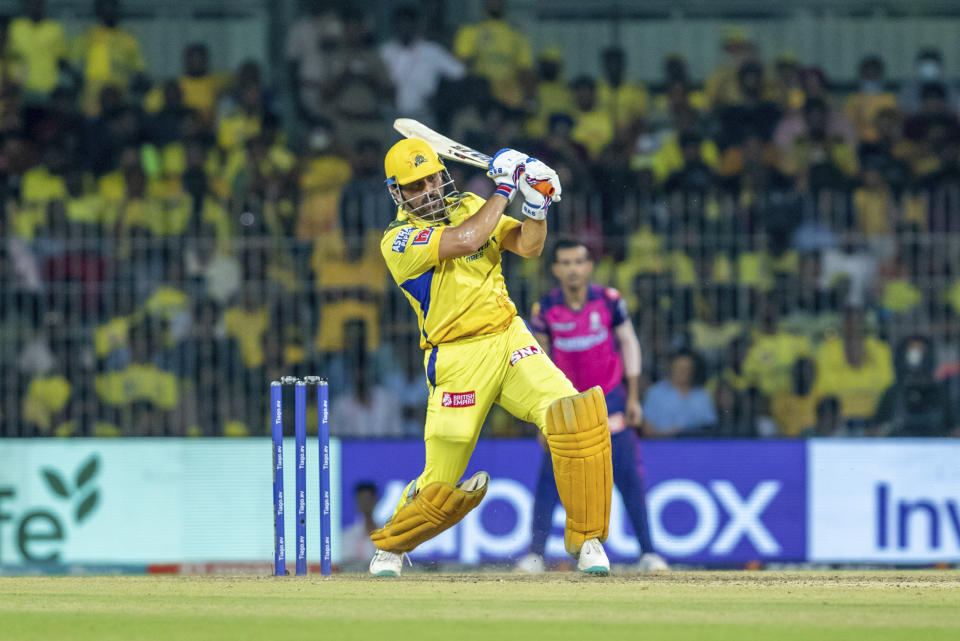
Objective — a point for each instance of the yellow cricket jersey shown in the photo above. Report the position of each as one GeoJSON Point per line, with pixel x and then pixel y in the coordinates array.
{"type": "Point", "coordinates": [625, 103]}
{"type": "Point", "coordinates": [594, 130]}
{"type": "Point", "coordinates": [41, 46]}
{"type": "Point", "coordinates": [457, 297]}
{"type": "Point", "coordinates": [498, 52]}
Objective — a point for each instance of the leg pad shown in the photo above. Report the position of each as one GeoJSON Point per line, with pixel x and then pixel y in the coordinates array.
{"type": "Point", "coordinates": [579, 441]}
{"type": "Point", "coordinates": [429, 512]}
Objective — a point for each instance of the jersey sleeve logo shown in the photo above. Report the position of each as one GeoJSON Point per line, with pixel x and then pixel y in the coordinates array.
{"type": "Point", "coordinates": [423, 236]}
{"type": "Point", "coordinates": [400, 242]}
{"type": "Point", "coordinates": [523, 352]}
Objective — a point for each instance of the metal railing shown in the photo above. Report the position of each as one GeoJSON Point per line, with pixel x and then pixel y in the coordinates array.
{"type": "Point", "coordinates": [116, 329]}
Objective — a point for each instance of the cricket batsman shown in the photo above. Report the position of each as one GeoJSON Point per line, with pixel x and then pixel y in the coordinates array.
{"type": "Point", "coordinates": [443, 251]}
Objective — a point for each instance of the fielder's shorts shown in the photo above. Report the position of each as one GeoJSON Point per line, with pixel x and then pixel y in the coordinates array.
{"type": "Point", "coordinates": [466, 377]}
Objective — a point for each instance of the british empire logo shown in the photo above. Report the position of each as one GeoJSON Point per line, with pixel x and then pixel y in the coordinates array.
{"type": "Point", "coordinates": [459, 399]}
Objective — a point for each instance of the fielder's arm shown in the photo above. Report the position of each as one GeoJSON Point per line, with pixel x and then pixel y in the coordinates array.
{"type": "Point", "coordinates": [632, 366]}
{"type": "Point", "coordinates": [528, 239]}
{"type": "Point", "coordinates": [468, 236]}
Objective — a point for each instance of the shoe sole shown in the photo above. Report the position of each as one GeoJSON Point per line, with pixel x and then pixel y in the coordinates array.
{"type": "Point", "coordinates": [597, 570]}
{"type": "Point", "coordinates": [387, 573]}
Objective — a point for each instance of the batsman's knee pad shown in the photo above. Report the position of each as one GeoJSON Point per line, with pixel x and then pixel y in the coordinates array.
{"type": "Point", "coordinates": [579, 441]}
{"type": "Point", "coordinates": [429, 512]}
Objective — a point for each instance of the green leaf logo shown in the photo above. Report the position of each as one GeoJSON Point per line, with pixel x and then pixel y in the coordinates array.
{"type": "Point", "coordinates": [56, 483]}
{"type": "Point", "coordinates": [88, 471]}
{"type": "Point", "coordinates": [83, 510]}
{"type": "Point", "coordinates": [83, 477]}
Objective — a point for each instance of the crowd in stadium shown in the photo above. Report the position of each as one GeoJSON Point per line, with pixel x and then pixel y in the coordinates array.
{"type": "Point", "coordinates": [789, 249]}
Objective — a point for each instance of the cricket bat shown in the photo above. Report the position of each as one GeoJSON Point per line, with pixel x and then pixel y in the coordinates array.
{"type": "Point", "coordinates": [451, 149]}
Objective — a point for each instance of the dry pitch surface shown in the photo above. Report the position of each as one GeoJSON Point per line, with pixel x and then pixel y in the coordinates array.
{"type": "Point", "coordinates": [786, 606]}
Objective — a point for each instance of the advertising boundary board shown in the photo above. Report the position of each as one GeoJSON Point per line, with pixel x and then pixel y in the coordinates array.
{"type": "Point", "coordinates": [891, 501]}
{"type": "Point", "coordinates": [149, 502]}
{"type": "Point", "coordinates": [710, 502]}
{"type": "Point", "coordinates": [204, 505]}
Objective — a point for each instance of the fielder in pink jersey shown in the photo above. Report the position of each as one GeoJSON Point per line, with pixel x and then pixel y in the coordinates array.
{"type": "Point", "coordinates": [587, 332]}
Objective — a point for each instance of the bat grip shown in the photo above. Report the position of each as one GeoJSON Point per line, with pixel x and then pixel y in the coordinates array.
{"type": "Point", "coordinates": [545, 188]}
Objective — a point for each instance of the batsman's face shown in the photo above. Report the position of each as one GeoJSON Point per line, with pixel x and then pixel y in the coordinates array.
{"type": "Point", "coordinates": [573, 267]}
{"type": "Point", "coordinates": [424, 196]}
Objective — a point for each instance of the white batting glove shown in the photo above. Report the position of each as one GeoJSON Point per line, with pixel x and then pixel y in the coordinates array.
{"type": "Point", "coordinates": [536, 172]}
{"type": "Point", "coordinates": [505, 169]}
{"type": "Point", "coordinates": [535, 203]}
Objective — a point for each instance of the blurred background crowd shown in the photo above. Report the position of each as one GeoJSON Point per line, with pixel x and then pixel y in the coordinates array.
{"type": "Point", "coordinates": [788, 242]}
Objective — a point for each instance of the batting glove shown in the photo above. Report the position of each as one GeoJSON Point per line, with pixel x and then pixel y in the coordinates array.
{"type": "Point", "coordinates": [535, 203]}
{"type": "Point", "coordinates": [505, 169]}
{"type": "Point", "coordinates": [537, 172]}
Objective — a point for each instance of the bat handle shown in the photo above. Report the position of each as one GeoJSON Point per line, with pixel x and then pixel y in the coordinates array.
{"type": "Point", "coordinates": [545, 188]}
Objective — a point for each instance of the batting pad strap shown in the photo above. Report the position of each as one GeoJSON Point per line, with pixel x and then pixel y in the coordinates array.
{"type": "Point", "coordinates": [435, 508]}
{"type": "Point", "coordinates": [579, 441]}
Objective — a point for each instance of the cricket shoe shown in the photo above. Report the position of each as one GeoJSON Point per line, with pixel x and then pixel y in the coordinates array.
{"type": "Point", "coordinates": [531, 564]}
{"type": "Point", "coordinates": [652, 562]}
{"type": "Point", "coordinates": [386, 563]}
{"type": "Point", "coordinates": [593, 560]}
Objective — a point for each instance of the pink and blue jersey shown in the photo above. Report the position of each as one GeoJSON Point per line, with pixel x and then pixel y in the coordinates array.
{"type": "Point", "coordinates": [583, 345]}
{"type": "Point", "coordinates": [582, 342]}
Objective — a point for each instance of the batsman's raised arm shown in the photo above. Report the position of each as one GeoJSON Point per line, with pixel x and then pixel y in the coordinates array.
{"type": "Point", "coordinates": [528, 239]}
{"type": "Point", "coordinates": [511, 170]}
{"type": "Point", "coordinates": [468, 236]}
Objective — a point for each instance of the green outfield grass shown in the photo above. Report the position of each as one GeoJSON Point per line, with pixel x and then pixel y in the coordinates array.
{"type": "Point", "coordinates": [874, 606]}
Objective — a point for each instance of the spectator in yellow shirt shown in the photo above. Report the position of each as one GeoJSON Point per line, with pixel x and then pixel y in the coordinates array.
{"type": "Point", "coordinates": [659, 149]}
{"type": "Point", "coordinates": [350, 274]}
{"type": "Point", "coordinates": [787, 89]}
{"type": "Point", "coordinates": [818, 159]}
{"type": "Point", "coordinates": [200, 88]}
{"type": "Point", "coordinates": [247, 324]}
{"type": "Point", "coordinates": [324, 171]}
{"type": "Point", "coordinates": [145, 397]}
{"type": "Point", "coordinates": [721, 86]}
{"type": "Point", "coordinates": [594, 127]}
{"type": "Point", "coordinates": [674, 91]}
{"type": "Point", "coordinates": [796, 409]}
{"type": "Point", "coordinates": [242, 118]}
{"type": "Point", "coordinates": [855, 368]}
{"type": "Point", "coordinates": [494, 50]}
{"type": "Point", "coordinates": [108, 56]}
{"type": "Point", "coordinates": [39, 44]}
{"type": "Point", "coordinates": [768, 364]}
{"type": "Point", "coordinates": [863, 106]}
{"type": "Point", "coordinates": [624, 100]}
{"type": "Point", "coordinates": [875, 208]}
{"type": "Point", "coordinates": [45, 403]}
{"type": "Point", "coordinates": [553, 93]}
